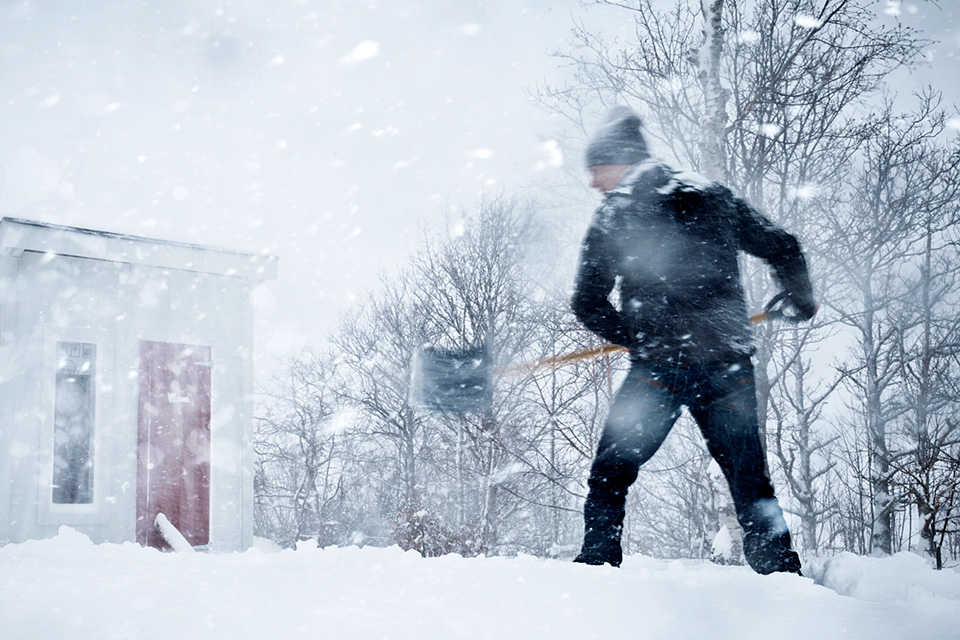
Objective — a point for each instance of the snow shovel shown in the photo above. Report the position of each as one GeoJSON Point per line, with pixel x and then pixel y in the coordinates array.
{"type": "Point", "coordinates": [457, 380]}
{"type": "Point", "coordinates": [461, 380]}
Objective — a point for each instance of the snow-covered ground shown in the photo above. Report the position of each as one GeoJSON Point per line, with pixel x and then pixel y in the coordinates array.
{"type": "Point", "coordinates": [68, 587]}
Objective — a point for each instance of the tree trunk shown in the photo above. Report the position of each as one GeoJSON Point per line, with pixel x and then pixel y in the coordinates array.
{"type": "Point", "coordinates": [715, 96]}
{"type": "Point", "coordinates": [489, 427]}
{"type": "Point", "coordinates": [410, 479]}
{"type": "Point", "coordinates": [713, 163]}
{"type": "Point", "coordinates": [881, 536]}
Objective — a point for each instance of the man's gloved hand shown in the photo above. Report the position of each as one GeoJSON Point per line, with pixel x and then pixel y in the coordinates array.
{"type": "Point", "coordinates": [804, 305]}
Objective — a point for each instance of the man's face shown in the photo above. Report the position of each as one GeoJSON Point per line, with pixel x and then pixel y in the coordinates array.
{"type": "Point", "coordinates": [606, 177]}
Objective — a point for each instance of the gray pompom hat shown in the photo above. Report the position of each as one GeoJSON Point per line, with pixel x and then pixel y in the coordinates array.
{"type": "Point", "coordinates": [618, 141]}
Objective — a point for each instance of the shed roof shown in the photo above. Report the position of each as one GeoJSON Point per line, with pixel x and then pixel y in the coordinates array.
{"type": "Point", "coordinates": [18, 235]}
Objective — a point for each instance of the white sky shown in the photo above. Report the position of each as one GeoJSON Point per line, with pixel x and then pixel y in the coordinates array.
{"type": "Point", "coordinates": [328, 133]}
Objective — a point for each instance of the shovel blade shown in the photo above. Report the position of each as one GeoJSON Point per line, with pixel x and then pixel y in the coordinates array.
{"type": "Point", "coordinates": [455, 380]}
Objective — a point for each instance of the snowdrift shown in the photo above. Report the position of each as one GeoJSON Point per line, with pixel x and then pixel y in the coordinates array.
{"type": "Point", "coordinates": [67, 587]}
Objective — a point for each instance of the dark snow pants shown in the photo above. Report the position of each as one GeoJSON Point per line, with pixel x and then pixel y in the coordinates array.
{"type": "Point", "coordinates": [721, 397]}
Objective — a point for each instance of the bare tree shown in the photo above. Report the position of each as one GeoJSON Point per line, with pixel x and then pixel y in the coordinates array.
{"type": "Point", "coordinates": [376, 344]}
{"type": "Point", "coordinates": [804, 451]}
{"type": "Point", "coordinates": [926, 468]}
{"type": "Point", "coordinates": [474, 289]}
{"type": "Point", "coordinates": [874, 239]}
{"type": "Point", "coordinates": [568, 406]}
{"type": "Point", "coordinates": [299, 484]}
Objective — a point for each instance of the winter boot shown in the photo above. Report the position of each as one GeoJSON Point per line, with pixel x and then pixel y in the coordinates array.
{"type": "Point", "coordinates": [601, 544]}
{"type": "Point", "coordinates": [766, 540]}
{"type": "Point", "coordinates": [612, 556]}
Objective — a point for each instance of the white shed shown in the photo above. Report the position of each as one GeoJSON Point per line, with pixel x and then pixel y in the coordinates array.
{"type": "Point", "coordinates": [126, 383]}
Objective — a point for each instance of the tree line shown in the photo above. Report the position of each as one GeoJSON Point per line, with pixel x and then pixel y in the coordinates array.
{"type": "Point", "coordinates": [783, 100]}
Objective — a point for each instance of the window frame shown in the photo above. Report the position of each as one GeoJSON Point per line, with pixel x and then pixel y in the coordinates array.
{"type": "Point", "coordinates": [51, 513]}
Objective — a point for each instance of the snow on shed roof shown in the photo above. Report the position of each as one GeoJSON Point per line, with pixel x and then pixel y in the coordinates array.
{"type": "Point", "coordinates": [18, 235]}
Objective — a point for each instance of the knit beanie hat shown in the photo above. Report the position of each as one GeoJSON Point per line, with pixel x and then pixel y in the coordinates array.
{"type": "Point", "coordinates": [618, 141]}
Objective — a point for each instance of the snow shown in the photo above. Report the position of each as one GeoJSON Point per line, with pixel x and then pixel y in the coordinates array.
{"type": "Point", "coordinates": [67, 587]}
{"type": "Point", "coordinates": [366, 50]}
{"type": "Point", "coordinates": [808, 22]}
{"type": "Point", "coordinates": [722, 544]}
{"type": "Point", "coordinates": [172, 535]}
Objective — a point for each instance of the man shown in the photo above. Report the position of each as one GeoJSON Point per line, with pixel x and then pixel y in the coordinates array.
{"type": "Point", "coordinates": [669, 242]}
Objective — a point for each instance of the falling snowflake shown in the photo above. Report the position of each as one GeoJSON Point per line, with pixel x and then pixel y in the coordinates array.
{"type": "Point", "coordinates": [552, 155]}
{"type": "Point", "coordinates": [770, 130]}
{"type": "Point", "coordinates": [366, 50]}
{"type": "Point", "coordinates": [481, 154]}
{"type": "Point", "coordinates": [804, 191]}
{"type": "Point", "coordinates": [807, 22]}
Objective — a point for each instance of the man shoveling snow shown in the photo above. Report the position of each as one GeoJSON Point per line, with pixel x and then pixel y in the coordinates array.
{"type": "Point", "coordinates": [671, 240]}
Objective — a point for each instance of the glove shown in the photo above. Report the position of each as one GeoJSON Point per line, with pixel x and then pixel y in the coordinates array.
{"type": "Point", "coordinates": [804, 305]}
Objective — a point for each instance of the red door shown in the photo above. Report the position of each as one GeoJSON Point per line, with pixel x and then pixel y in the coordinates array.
{"type": "Point", "coordinates": [173, 457]}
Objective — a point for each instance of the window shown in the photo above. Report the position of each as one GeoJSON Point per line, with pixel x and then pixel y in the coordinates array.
{"type": "Point", "coordinates": [73, 423]}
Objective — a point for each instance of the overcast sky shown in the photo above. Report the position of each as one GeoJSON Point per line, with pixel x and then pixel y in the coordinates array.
{"type": "Point", "coordinates": [328, 133]}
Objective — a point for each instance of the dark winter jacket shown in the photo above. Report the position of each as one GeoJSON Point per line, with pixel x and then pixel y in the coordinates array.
{"type": "Point", "coordinates": [671, 241]}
